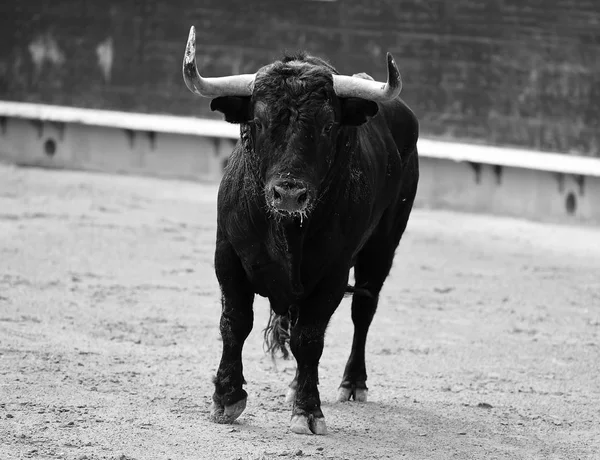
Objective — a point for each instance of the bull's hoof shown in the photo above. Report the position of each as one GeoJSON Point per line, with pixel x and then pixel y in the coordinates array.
{"type": "Point", "coordinates": [308, 424]}
{"type": "Point", "coordinates": [290, 395]}
{"type": "Point", "coordinates": [227, 414]}
{"type": "Point", "coordinates": [356, 394]}
{"type": "Point", "coordinates": [360, 395]}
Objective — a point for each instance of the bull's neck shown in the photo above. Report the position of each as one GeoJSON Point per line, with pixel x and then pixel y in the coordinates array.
{"type": "Point", "coordinates": [286, 243]}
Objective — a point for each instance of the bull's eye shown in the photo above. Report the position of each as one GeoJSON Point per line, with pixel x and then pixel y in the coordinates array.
{"type": "Point", "coordinates": [327, 128]}
{"type": "Point", "coordinates": [257, 125]}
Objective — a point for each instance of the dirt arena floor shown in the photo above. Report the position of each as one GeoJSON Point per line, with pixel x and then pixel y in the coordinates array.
{"type": "Point", "coordinates": [486, 344]}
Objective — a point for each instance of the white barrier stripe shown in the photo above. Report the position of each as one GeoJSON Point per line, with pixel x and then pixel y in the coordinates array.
{"type": "Point", "coordinates": [510, 157]}
{"type": "Point", "coordinates": [455, 151]}
{"type": "Point", "coordinates": [124, 120]}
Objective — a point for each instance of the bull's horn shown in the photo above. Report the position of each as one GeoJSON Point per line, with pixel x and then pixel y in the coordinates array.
{"type": "Point", "coordinates": [233, 85]}
{"type": "Point", "coordinates": [346, 86]}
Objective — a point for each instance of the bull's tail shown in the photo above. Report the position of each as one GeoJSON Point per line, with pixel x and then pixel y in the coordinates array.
{"type": "Point", "coordinates": [361, 291]}
{"type": "Point", "coordinates": [277, 334]}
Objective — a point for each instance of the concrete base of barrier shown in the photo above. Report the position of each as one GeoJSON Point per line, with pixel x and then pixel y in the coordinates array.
{"type": "Point", "coordinates": [528, 193]}
{"type": "Point", "coordinates": [445, 183]}
{"type": "Point", "coordinates": [113, 150]}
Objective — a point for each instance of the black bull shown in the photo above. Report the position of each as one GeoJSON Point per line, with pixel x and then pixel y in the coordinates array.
{"type": "Point", "coordinates": [317, 184]}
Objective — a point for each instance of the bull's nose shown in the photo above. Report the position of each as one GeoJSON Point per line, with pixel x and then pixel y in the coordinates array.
{"type": "Point", "coordinates": [289, 197]}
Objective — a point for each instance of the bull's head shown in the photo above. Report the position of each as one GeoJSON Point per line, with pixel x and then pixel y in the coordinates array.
{"type": "Point", "coordinates": [294, 111]}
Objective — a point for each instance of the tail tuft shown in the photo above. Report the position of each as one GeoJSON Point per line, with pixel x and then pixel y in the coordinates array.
{"type": "Point", "coordinates": [277, 335]}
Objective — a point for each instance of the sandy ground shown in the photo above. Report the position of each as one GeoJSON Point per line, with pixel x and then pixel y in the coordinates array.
{"type": "Point", "coordinates": [486, 344]}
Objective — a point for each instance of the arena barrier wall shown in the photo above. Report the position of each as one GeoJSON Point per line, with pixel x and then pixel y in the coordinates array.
{"type": "Point", "coordinates": [468, 177]}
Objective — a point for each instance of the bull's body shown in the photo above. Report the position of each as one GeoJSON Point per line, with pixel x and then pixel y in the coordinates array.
{"type": "Point", "coordinates": [318, 184]}
{"type": "Point", "coordinates": [368, 201]}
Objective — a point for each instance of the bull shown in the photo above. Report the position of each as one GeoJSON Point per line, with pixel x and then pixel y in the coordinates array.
{"type": "Point", "coordinates": [322, 180]}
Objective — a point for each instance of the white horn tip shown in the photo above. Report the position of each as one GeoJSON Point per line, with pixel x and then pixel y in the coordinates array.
{"type": "Point", "coordinates": [394, 77]}
{"type": "Point", "coordinates": [190, 49]}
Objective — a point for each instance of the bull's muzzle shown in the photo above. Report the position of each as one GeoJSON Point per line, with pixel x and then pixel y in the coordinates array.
{"type": "Point", "coordinates": [289, 196]}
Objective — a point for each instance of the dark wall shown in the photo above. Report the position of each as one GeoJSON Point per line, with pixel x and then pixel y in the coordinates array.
{"type": "Point", "coordinates": [506, 72]}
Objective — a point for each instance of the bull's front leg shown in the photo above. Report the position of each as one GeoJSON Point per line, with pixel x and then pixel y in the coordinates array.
{"type": "Point", "coordinates": [306, 342]}
{"type": "Point", "coordinates": [229, 398]}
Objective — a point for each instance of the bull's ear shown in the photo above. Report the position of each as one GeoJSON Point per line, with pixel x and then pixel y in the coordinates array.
{"type": "Point", "coordinates": [356, 111]}
{"type": "Point", "coordinates": [235, 108]}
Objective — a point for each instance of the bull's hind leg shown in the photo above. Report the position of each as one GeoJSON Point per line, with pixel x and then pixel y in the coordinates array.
{"type": "Point", "coordinates": [290, 395]}
{"type": "Point", "coordinates": [372, 267]}
{"type": "Point", "coordinates": [229, 398]}
{"type": "Point", "coordinates": [369, 272]}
